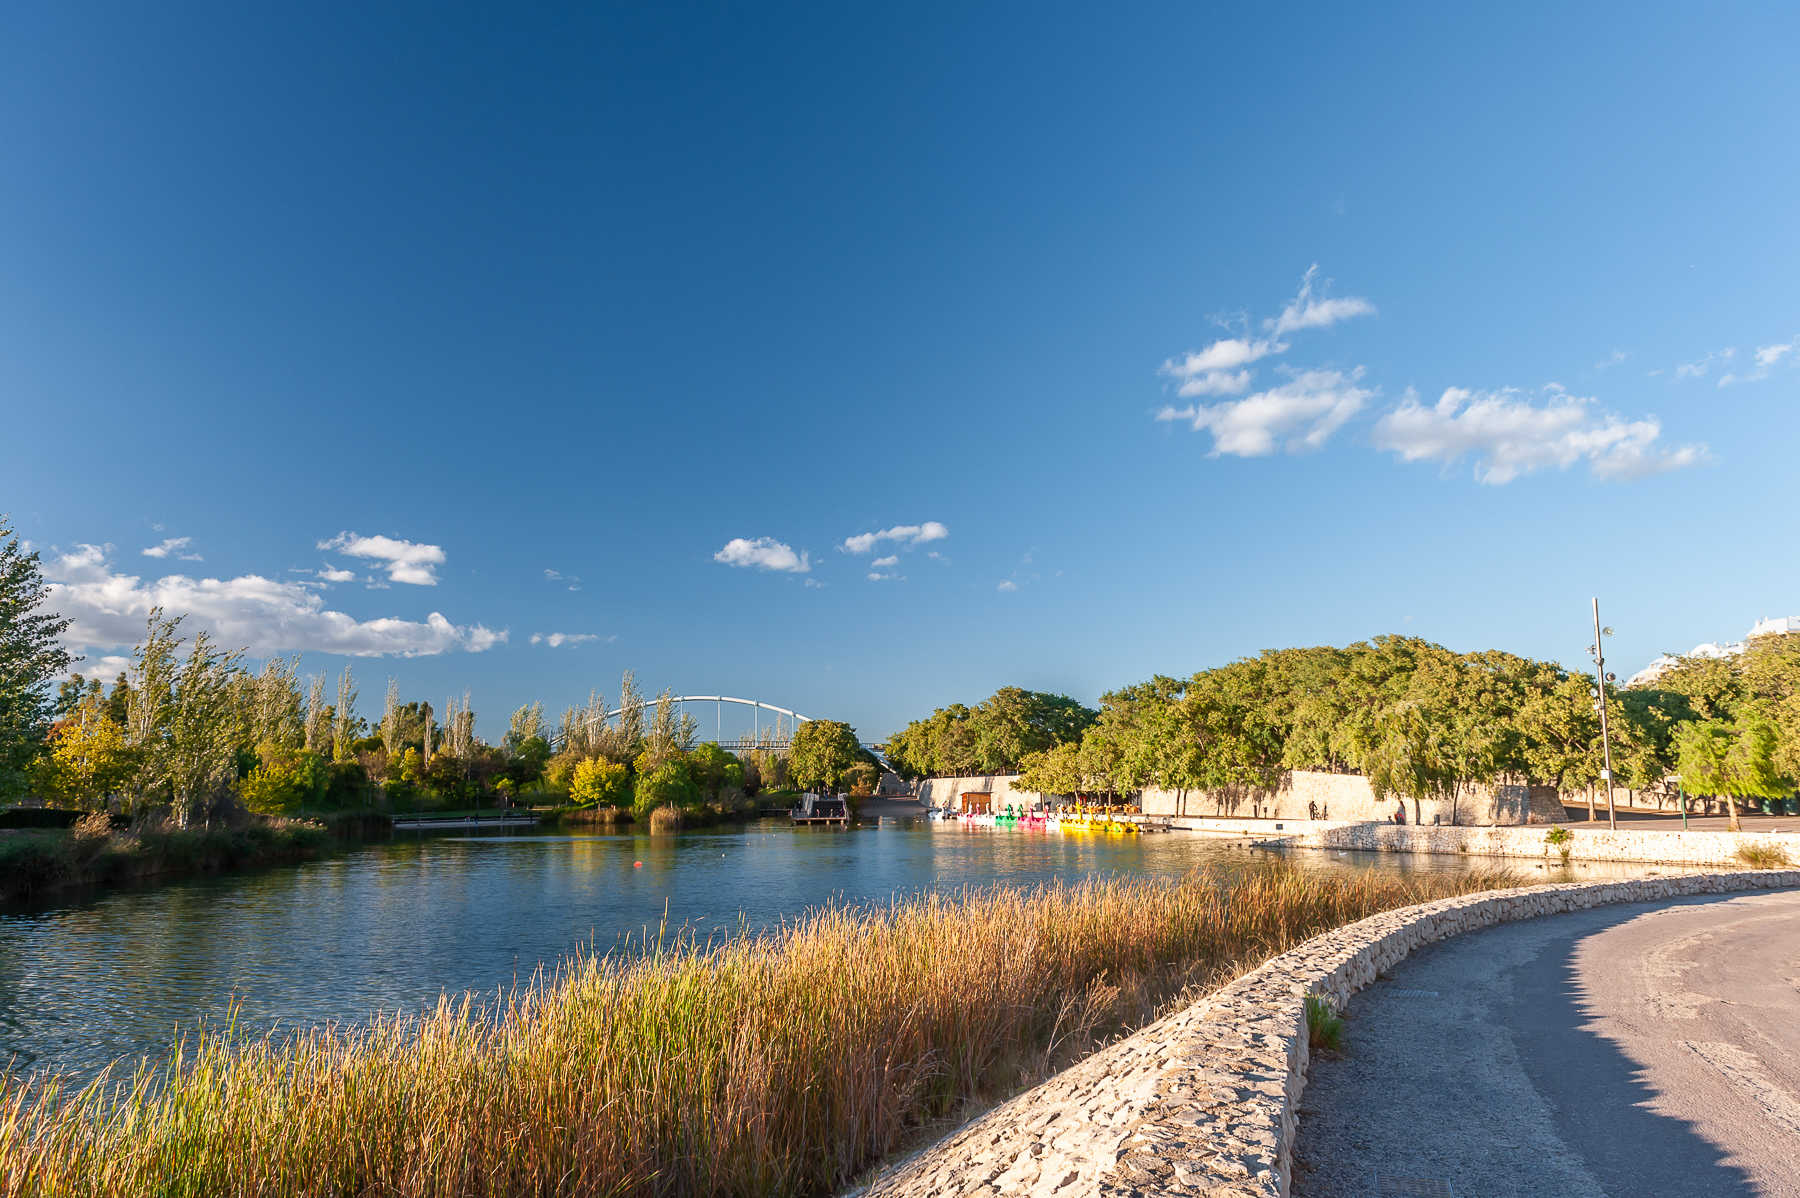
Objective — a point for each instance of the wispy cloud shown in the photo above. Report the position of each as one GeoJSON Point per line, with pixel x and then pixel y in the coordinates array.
{"type": "Point", "coordinates": [568, 580]}
{"type": "Point", "coordinates": [881, 563]}
{"type": "Point", "coordinates": [901, 534]}
{"type": "Point", "coordinates": [107, 608]}
{"type": "Point", "coordinates": [763, 553]}
{"type": "Point", "coordinates": [1508, 434]}
{"type": "Point", "coordinates": [404, 561]}
{"type": "Point", "coordinates": [556, 640]}
{"type": "Point", "coordinates": [1308, 311]}
{"type": "Point", "coordinates": [1610, 360]}
{"type": "Point", "coordinates": [1300, 414]}
{"type": "Point", "coordinates": [1767, 357]}
{"type": "Point", "coordinates": [174, 547]}
{"type": "Point", "coordinates": [1007, 584]}
{"type": "Point", "coordinates": [1700, 367]}
{"type": "Point", "coordinates": [333, 574]}
{"type": "Point", "coordinates": [1303, 412]}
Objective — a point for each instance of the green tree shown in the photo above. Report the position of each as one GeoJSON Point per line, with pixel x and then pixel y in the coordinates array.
{"type": "Point", "coordinates": [1732, 761]}
{"type": "Point", "coordinates": [89, 756]}
{"type": "Point", "coordinates": [1055, 771]}
{"type": "Point", "coordinates": [70, 692]}
{"type": "Point", "coordinates": [526, 761]}
{"type": "Point", "coordinates": [31, 656]}
{"type": "Point", "coordinates": [200, 751]}
{"type": "Point", "coordinates": [669, 782]}
{"type": "Point", "coordinates": [597, 782]}
{"type": "Point", "coordinates": [286, 782]}
{"type": "Point", "coordinates": [821, 753]}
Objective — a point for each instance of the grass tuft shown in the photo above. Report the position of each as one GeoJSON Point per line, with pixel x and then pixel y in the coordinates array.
{"type": "Point", "coordinates": [1324, 1026]}
{"type": "Point", "coordinates": [784, 1063]}
{"type": "Point", "coordinates": [1764, 856]}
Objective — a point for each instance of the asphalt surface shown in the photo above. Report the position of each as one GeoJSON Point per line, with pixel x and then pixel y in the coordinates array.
{"type": "Point", "coordinates": [1637, 1050]}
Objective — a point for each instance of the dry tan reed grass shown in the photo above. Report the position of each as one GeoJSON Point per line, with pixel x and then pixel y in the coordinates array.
{"type": "Point", "coordinates": [784, 1063]}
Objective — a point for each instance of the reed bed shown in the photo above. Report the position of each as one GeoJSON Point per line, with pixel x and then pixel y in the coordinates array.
{"type": "Point", "coordinates": [777, 1063]}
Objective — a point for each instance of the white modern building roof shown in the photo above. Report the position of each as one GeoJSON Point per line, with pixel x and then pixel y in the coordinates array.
{"type": "Point", "coordinates": [1777, 626]}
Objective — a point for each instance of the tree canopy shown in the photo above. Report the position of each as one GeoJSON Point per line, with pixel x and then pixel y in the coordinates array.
{"type": "Point", "coordinates": [31, 656]}
{"type": "Point", "coordinates": [991, 738]}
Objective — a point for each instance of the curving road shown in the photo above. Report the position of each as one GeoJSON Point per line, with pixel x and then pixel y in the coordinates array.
{"type": "Point", "coordinates": [1637, 1050]}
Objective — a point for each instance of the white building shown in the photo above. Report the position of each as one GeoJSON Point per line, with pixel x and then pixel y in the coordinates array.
{"type": "Point", "coordinates": [1778, 626]}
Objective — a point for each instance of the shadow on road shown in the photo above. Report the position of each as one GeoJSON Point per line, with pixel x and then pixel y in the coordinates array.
{"type": "Point", "coordinates": [1598, 1093]}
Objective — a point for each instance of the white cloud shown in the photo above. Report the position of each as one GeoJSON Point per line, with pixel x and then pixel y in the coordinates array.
{"type": "Point", "coordinates": [1610, 360]}
{"type": "Point", "coordinates": [814, 584]}
{"type": "Point", "coordinates": [1007, 584]}
{"type": "Point", "coordinates": [763, 553]}
{"type": "Point", "coordinates": [903, 534]}
{"type": "Point", "coordinates": [557, 640]}
{"type": "Point", "coordinates": [1507, 435]}
{"type": "Point", "coordinates": [333, 574]}
{"type": "Point", "coordinates": [176, 546]}
{"type": "Point", "coordinates": [1306, 311]}
{"type": "Point", "coordinates": [882, 563]}
{"type": "Point", "coordinates": [1250, 426]}
{"type": "Point", "coordinates": [1767, 357]}
{"type": "Point", "coordinates": [261, 615]}
{"type": "Point", "coordinates": [1228, 353]}
{"type": "Point", "coordinates": [404, 561]}
{"type": "Point", "coordinates": [1299, 414]}
{"type": "Point", "coordinates": [103, 669]}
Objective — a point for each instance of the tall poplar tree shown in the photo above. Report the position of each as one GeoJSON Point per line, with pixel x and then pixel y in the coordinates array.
{"type": "Point", "coordinates": [30, 657]}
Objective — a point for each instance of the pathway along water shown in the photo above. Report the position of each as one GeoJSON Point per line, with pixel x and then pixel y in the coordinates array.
{"type": "Point", "coordinates": [391, 927]}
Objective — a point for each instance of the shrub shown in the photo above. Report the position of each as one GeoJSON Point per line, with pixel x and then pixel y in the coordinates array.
{"type": "Point", "coordinates": [1561, 840]}
{"type": "Point", "coordinates": [666, 818]}
{"type": "Point", "coordinates": [1764, 856]}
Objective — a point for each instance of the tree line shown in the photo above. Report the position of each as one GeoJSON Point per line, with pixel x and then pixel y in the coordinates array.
{"type": "Point", "coordinates": [186, 728]}
{"type": "Point", "coordinates": [1419, 720]}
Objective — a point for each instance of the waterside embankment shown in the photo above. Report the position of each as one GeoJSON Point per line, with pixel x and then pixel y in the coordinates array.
{"type": "Point", "coordinates": [1204, 1101]}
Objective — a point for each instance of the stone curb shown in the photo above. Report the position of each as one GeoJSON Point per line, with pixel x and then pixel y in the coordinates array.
{"type": "Point", "coordinates": [1203, 1101]}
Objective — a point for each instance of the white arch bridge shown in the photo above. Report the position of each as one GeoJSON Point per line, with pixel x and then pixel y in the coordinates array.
{"type": "Point", "coordinates": [780, 732]}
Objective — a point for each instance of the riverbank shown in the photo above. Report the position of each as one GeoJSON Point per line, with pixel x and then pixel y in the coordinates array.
{"type": "Point", "coordinates": [93, 855]}
{"type": "Point", "coordinates": [784, 1063]}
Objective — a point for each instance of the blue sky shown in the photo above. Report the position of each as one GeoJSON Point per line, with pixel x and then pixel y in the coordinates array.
{"type": "Point", "coordinates": [1154, 337]}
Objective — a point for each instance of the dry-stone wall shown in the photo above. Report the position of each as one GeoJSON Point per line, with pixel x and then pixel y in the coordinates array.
{"type": "Point", "coordinates": [1202, 1102]}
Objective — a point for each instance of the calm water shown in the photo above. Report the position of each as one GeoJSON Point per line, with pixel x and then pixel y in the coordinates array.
{"type": "Point", "coordinates": [391, 927]}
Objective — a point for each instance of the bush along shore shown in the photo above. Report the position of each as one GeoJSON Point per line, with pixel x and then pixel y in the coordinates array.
{"type": "Point", "coordinates": [780, 1063]}
{"type": "Point", "coordinates": [94, 853]}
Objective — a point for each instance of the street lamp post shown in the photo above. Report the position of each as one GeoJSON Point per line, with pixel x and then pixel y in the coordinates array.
{"type": "Point", "coordinates": [1600, 634]}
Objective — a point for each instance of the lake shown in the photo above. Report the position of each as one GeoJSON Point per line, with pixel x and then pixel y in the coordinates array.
{"type": "Point", "coordinates": [390, 927]}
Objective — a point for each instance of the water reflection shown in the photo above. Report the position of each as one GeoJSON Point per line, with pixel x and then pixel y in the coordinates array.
{"type": "Point", "coordinates": [393, 926]}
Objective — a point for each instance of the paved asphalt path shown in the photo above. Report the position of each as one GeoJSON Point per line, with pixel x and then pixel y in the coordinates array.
{"type": "Point", "coordinates": [1650, 1049]}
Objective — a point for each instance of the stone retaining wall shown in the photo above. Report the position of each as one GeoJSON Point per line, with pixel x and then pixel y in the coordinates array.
{"type": "Point", "coordinates": [1301, 794]}
{"type": "Point", "coordinates": [1203, 1101]}
{"type": "Point", "coordinates": [1585, 843]}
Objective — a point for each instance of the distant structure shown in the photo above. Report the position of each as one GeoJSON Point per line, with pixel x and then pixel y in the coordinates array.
{"type": "Point", "coordinates": [1776, 626]}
